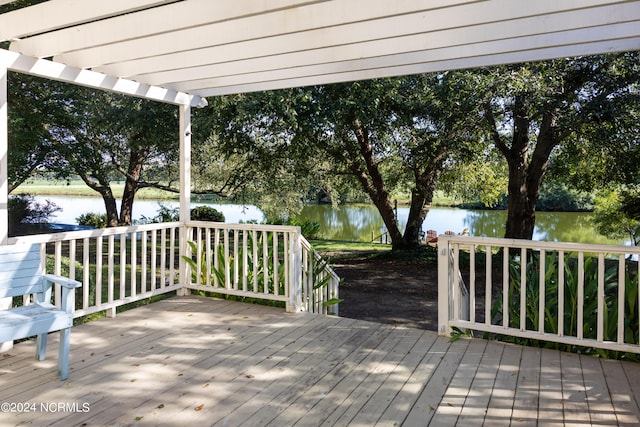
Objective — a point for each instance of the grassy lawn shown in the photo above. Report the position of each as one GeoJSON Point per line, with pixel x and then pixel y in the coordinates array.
{"type": "Point", "coordinates": [80, 189]}
{"type": "Point", "coordinates": [343, 249]}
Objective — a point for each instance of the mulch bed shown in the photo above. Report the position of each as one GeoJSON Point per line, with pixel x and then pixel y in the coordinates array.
{"type": "Point", "coordinates": [401, 292]}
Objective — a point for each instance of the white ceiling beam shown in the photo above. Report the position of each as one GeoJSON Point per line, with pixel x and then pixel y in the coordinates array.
{"type": "Point", "coordinates": [255, 85]}
{"type": "Point", "coordinates": [324, 15]}
{"type": "Point", "coordinates": [238, 23]}
{"type": "Point", "coordinates": [162, 20]}
{"type": "Point", "coordinates": [331, 27]}
{"type": "Point", "coordinates": [55, 14]}
{"type": "Point", "coordinates": [408, 33]}
{"type": "Point", "coordinates": [504, 37]}
{"type": "Point", "coordinates": [56, 71]}
{"type": "Point", "coordinates": [458, 53]}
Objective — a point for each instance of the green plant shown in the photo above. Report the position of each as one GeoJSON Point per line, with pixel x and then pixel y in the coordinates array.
{"type": "Point", "coordinates": [221, 271]}
{"type": "Point", "coordinates": [92, 219]}
{"type": "Point", "coordinates": [206, 213]}
{"type": "Point", "coordinates": [321, 279]}
{"type": "Point", "coordinates": [24, 209]}
{"type": "Point", "coordinates": [571, 301]}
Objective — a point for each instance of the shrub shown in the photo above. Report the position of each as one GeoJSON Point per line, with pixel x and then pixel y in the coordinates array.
{"type": "Point", "coordinates": [560, 198]}
{"type": "Point", "coordinates": [206, 213]}
{"type": "Point", "coordinates": [92, 219]}
{"type": "Point", "coordinates": [309, 229]}
{"type": "Point", "coordinates": [23, 209]}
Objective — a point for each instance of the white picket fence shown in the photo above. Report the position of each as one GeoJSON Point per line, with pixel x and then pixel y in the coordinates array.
{"type": "Point", "coordinates": [574, 294]}
{"type": "Point", "coordinates": [122, 265]}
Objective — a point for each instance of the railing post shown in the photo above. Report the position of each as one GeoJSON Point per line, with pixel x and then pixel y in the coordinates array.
{"type": "Point", "coordinates": [5, 303]}
{"type": "Point", "coordinates": [185, 193]}
{"type": "Point", "coordinates": [294, 304]}
{"type": "Point", "coordinates": [444, 273]}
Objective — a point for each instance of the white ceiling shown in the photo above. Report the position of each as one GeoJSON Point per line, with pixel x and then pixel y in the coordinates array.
{"type": "Point", "coordinates": [213, 47]}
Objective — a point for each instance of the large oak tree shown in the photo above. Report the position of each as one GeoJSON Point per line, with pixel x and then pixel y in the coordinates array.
{"type": "Point", "coordinates": [532, 109]}
{"type": "Point", "coordinates": [378, 133]}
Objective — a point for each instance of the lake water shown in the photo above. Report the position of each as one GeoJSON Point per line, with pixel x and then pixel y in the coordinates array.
{"type": "Point", "coordinates": [361, 222]}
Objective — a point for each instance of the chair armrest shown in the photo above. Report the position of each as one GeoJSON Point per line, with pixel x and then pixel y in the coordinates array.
{"type": "Point", "coordinates": [62, 281]}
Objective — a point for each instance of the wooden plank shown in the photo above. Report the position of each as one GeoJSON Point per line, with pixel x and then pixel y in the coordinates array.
{"type": "Point", "coordinates": [598, 395]}
{"type": "Point", "coordinates": [456, 394]}
{"type": "Point", "coordinates": [314, 402]}
{"type": "Point", "coordinates": [265, 379]}
{"type": "Point", "coordinates": [574, 397]}
{"type": "Point", "coordinates": [435, 386]}
{"type": "Point", "coordinates": [632, 373]}
{"type": "Point", "coordinates": [500, 408]}
{"type": "Point", "coordinates": [212, 392]}
{"type": "Point", "coordinates": [424, 363]}
{"type": "Point", "coordinates": [372, 396]}
{"type": "Point", "coordinates": [622, 394]}
{"type": "Point", "coordinates": [260, 366]}
{"type": "Point", "coordinates": [217, 365]}
{"type": "Point", "coordinates": [550, 409]}
{"type": "Point", "coordinates": [525, 402]}
{"type": "Point", "coordinates": [311, 388]}
{"type": "Point", "coordinates": [477, 401]}
{"type": "Point", "coordinates": [350, 389]}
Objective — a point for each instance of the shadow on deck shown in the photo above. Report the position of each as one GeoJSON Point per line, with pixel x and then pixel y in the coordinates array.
{"type": "Point", "coordinates": [196, 361]}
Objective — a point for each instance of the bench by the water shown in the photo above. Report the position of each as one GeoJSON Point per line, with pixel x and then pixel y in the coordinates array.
{"type": "Point", "coordinates": [21, 274]}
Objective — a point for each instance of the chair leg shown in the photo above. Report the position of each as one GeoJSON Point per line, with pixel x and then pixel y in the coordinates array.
{"type": "Point", "coordinates": [63, 353]}
{"type": "Point", "coordinates": [41, 346]}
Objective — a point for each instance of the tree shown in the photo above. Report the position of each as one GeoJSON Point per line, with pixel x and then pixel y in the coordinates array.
{"type": "Point", "coordinates": [29, 144]}
{"type": "Point", "coordinates": [616, 214]}
{"type": "Point", "coordinates": [105, 137]}
{"type": "Point", "coordinates": [530, 110]}
{"type": "Point", "coordinates": [379, 134]}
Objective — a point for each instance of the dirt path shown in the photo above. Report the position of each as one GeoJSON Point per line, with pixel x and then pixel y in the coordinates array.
{"type": "Point", "coordinates": [389, 291]}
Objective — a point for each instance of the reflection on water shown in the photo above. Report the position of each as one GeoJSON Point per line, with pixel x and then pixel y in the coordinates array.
{"type": "Point", "coordinates": [361, 222]}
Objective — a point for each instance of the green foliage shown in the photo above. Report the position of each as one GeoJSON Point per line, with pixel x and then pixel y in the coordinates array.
{"type": "Point", "coordinates": [559, 197]}
{"type": "Point", "coordinates": [24, 209]}
{"type": "Point", "coordinates": [610, 218]}
{"type": "Point", "coordinates": [206, 213]}
{"type": "Point", "coordinates": [92, 219]}
{"type": "Point", "coordinates": [164, 214]}
{"type": "Point", "coordinates": [230, 272]}
{"type": "Point", "coordinates": [482, 180]}
{"type": "Point", "coordinates": [571, 302]}
{"type": "Point", "coordinates": [168, 214]}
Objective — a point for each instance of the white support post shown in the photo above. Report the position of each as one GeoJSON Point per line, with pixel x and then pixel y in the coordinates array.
{"type": "Point", "coordinates": [444, 273]}
{"type": "Point", "coordinates": [185, 191]}
{"type": "Point", "coordinates": [295, 273]}
{"type": "Point", "coordinates": [5, 303]}
{"type": "Point", "coordinates": [4, 153]}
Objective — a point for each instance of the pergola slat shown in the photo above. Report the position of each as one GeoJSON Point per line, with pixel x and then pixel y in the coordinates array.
{"type": "Point", "coordinates": [55, 14]}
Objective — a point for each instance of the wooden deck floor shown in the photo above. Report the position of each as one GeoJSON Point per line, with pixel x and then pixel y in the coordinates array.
{"type": "Point", "coordinates": [190, 361]}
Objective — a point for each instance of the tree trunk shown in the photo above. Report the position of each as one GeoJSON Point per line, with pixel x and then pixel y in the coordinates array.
{"type": "Point", "coordinates": [526, 176]}
{"type": "Point", "coordinates": [131, 186]}
{"type": "Point", "coordinates": [104, 189]}
{"type": "Point", "coordinates": [421, 199]}
{"type": "Point", "coordinates": [373, 183]}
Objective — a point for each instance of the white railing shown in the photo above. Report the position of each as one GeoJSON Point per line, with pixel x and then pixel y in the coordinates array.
{"type": "Point", "coordinates": [121, 265]}
{"type": "Point", "coordinates": [573, 294]}
{"type": "Point", "coordinates": [259, 261]}
{"type": "Point", "coordinates": [116, 266]}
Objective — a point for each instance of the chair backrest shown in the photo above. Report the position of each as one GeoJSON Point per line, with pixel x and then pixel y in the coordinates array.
{"type": "Point", "coordinates": [20, 270]}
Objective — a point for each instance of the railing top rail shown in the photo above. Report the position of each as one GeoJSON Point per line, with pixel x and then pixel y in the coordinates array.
{"type": "Point", "coordinates": [231, 226]}
{"type": "Point", "coordinates": [82, 234]}
{"type": "Point", "coordinates": [538, 244]}
{"type": "Point", "coordinates": [307, 246]}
